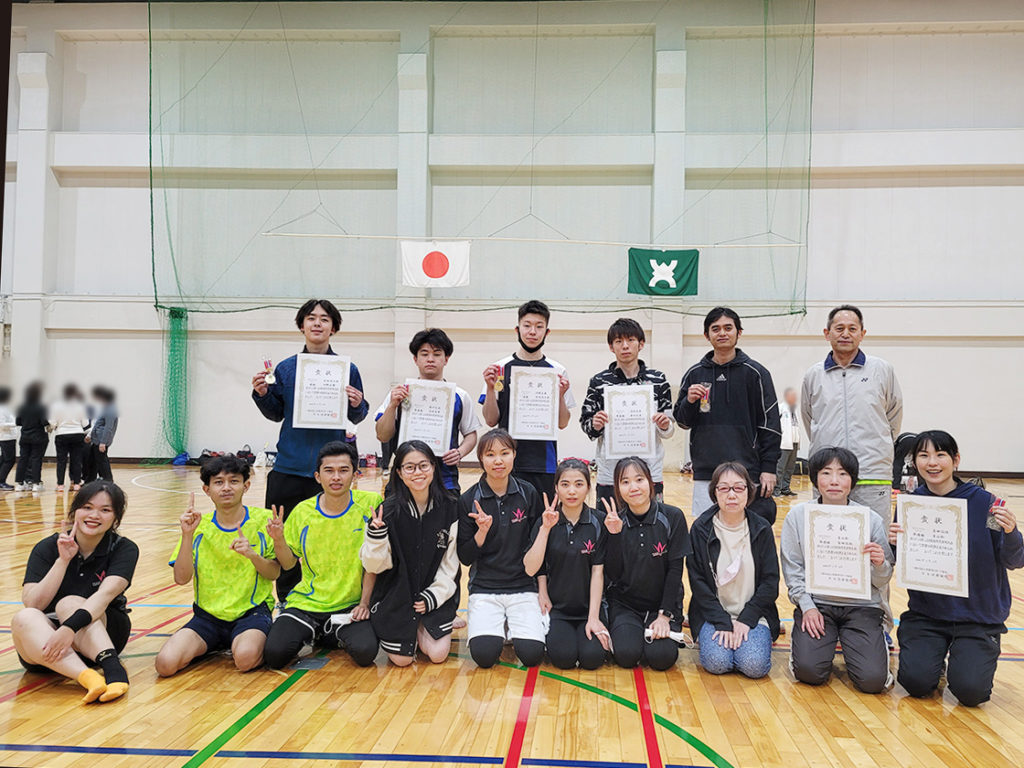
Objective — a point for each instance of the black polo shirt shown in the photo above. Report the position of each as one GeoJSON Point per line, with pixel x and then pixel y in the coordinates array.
{"type": "Point", "coordinates": [114, 556]}
{"type": "Point", "coordinates": [644, 563]}
{"type": "Point", "coordinates": [497, 568]}
{"type": "Point", "coordinates": [572, 551]}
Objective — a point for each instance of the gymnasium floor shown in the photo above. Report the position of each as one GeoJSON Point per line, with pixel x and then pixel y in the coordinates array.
{"type": "Point", "coordinates": [455, 714]}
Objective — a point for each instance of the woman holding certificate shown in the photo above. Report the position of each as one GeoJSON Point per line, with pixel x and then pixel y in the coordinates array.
{"type": "Point", "coordinates": [734, 577]}
{"type": "Point", "coordinates": [939, 631]}
{"type": "Point", "coordinates": [644, 555]}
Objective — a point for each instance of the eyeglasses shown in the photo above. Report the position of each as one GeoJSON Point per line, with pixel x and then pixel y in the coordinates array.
{"type": "Point", "coordinates": [411, 469]}
{"type": "Point", "coordinates": [739, 490]}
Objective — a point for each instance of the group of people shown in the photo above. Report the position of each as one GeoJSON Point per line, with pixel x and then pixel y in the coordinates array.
{"type": "Point", "coordinates": [548, 572]}
{"type": "Point", "coordinates": [82, 434]}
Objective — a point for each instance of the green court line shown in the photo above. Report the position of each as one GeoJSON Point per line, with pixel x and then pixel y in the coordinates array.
{"type": "Point", "coordinates": [682, 733]}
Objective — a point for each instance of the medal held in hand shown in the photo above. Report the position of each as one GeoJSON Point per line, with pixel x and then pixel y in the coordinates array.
{"type": "Point", "coordinates": [705, 399]}
{"type": "Point", "coordinates": [268, 366]}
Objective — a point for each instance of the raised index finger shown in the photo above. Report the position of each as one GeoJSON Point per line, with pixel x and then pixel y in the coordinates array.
{"type": "Point", "coordinates": [192, 500]}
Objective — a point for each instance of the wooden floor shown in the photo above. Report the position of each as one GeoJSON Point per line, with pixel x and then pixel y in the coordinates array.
{"type": "Point", "coordinates": [456, 714]}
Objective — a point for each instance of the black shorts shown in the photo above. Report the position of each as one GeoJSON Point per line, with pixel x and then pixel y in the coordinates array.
{"type": "Point", "coordinates": [119, 627]}
{"type": "Point", "coordinates": [219, 634]}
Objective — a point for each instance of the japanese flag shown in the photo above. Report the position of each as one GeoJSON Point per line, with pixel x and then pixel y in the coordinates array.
{"type": "Point", "coordinates": [435, 264]}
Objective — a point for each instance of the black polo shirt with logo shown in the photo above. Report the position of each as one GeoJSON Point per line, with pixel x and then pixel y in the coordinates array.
{"type": "Point", "coordinates": [114, 556]}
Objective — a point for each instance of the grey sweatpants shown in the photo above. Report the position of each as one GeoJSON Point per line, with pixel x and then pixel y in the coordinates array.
{"type": "Point", "coordinates": [859, 629]}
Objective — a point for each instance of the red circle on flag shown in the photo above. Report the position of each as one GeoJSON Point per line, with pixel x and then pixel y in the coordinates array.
{"type": "Point", "coordinates": [435, 264]}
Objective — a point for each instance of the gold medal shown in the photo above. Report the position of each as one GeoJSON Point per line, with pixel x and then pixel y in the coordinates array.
{"type": "Point", "coordinates": [499, 384]}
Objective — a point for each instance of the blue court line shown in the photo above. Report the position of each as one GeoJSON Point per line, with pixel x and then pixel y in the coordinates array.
{"type": "Point", "coordinates": [97, 750]}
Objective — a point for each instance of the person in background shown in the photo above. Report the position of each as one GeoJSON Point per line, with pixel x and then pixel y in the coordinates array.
{"type": "Point", "coordinates": [31, 417]}
{"type": "Point", "coordinates": [68, 422]}
{"type": "Point", "coordinates": [819, 622]}
{"type": "Point", "coordinates": [104, 427]}
{"type": "Point", "coordinates": [8, 438]}
{"type": "Point", "coordinates": [959, 636]}
{"type": "Point", "coordinates": [536, 460]}
{"type": "Point", "coordinates": [647, 543]}
{"type": "Point", "coordinates": [727, 401]}
{"type": "Point", "coordinates": [790, 443]}
{"type": "Point", "coordinates": [626, 341]}
{"type": "Point", "coordinates": [853, 401]}
{"type": "Point", "coordinates": [431, 349]}
{"type": "Point", "coordinates": [293, 478]}
{"type": "Point", "coordinates": [734, 578]}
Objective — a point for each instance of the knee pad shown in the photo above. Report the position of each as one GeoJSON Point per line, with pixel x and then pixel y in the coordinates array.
{"type": "Point", "coordinates": [530, 652]}
{"type": "Point", "coordinates": [486, 650]}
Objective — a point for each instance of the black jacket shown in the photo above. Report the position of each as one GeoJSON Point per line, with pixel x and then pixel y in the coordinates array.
{"type": "Point", "coordinates": [643, 563]}
{"type": "Point", "coordinates": [496, 568]}
{"type": "Point", "coordinates": [32, 419]}
{"type": "Point", "coordinates": [702, 566]}
{"type": "Point", "coordinates": [743, 423]}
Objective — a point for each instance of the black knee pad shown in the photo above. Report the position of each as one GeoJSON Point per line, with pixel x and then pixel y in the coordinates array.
{"type": "Point", "coordinates": [530, 652]}
{"type": "Point", "coordinates": [276, 655]}
{"type": "Point", "coordinates": [486, 650]}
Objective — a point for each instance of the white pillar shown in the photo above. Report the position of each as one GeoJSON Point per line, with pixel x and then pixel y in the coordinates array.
{"type": "Point", "coordinates": [36, 214]}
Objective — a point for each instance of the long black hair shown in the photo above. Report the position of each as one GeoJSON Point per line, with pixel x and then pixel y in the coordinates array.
{"type": "Point", "coordinates": [399, 491]}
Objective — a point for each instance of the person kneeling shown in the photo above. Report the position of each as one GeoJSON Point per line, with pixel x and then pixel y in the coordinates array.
{"type": "Point", "coordinates": [329, 606]}
{"type": "Point", "coordinates": [495, 519]}
{"type": "Point", "coordinates": [232, 559]}
{"type": "Point", "coordinates": [410, 546]}
{"type": "Point", "coordinates": [820, 620]}
{"type": "Point", "coordinates": [734, 577]}
{"type": "Point", "coordinates": [74, 596]}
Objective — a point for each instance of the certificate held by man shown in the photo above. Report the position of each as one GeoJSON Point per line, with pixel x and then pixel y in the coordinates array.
{"type": "Point", "coordinates": [428, 414]}
{"type": "Point", "coordinates": [835, 562]}
{"type": "Point", "coordinates": [533, 403]}
{"type": "Point", "coordinates": [321, 401]}
{"type": "Point", "coordinates": [630, 430]}
{"type": "Point", "coordinates": [931, 551]}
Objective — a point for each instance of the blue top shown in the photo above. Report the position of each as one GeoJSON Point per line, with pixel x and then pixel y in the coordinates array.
{"type": "Point", "coordinates": [989, 555]}
{"type": "Point", "coordinates": [297, 449]}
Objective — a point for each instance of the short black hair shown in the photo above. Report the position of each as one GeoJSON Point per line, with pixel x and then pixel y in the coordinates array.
{"type": "Point", "coordinates": [717, 314]}
{"type": "Point", "coordinates": [496, 435]}
{"type": "Point", "coordinates": [338, 448]}
{"type": "Point", "coordinates": [845, 308]}
{"type": "Point", "coordinates": [72, 392]}
{"type": "Point", "coordinates": [737, 469]}
{"type": "Point", "coordinates": [821, 459]}
{"type": "Point", "coordinates": [327, 306]}
{"type": "Point", "coordinates": [625, 328]}
{"type": "Point", "coordinates": [938, 439]}
{"type": "Point", "coordinates": [5, 395]}
{"type": "Point", "coordinates": [34, 392]}
{"type": "Point", "coordinates": [620, 469]}
{"type": "Point", "coordinates": [435, 337]}
{"type": "Point", "coordinates": [103, 394]}
{"type": "Point", "coordinates": [86, 493]}
{"type": "Point", "coordinates": [535, 307]}
{"type": "Point", "coordinates": [228, 463]}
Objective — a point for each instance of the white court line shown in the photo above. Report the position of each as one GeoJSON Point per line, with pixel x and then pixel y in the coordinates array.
{"type": "Point", "coordinates": [135, 481]}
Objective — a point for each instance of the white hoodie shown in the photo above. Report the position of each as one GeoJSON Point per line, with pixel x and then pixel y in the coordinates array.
{"type": "Point", "coordinates": [68, 417]}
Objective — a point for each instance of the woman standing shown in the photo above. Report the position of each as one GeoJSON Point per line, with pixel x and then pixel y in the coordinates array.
{"type": "Point", "coordinates": [734, 577]}
{"type": "Point", "coordinates": [32, 419]}
{"type": "Point", "coordinates": [68, 420]}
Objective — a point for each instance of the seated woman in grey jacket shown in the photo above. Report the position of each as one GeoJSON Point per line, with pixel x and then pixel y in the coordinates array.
{"type": "Point", "coordinates": [820, 620]}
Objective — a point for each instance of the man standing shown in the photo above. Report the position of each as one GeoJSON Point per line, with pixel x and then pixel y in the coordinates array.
{"type": "Point", "coordinates": [790, 443]}
{"type": "Point", "coordinates": [853, 401]}
{"type": "Point", "coordinates": [727, 401]}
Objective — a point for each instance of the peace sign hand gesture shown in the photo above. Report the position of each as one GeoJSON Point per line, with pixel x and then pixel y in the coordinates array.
{"type": "Point", "coordinates": [275, 525]}
{"type": "Point", "coordinates": [612, 521]}
{"type": "Point", "coordinates": [189, 519]}
{"type": "Point", "coordinates": [483, 520]}
{"type": "Point", "coordinates": [377, 522]}
{"type": "Point", "coordinates": [549, 518]}
{"type": "Point", "coordinates": [67, 547]}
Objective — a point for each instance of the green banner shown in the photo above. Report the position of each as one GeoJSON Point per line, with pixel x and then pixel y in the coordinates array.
{"type": "Point", "coordinates": [663, 273]}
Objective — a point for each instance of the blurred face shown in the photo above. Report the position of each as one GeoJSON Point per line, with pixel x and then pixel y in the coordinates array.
{"type": "Point", "coordinates": [845, 333]}
{"type": "Point", "coordinates": [335, 475]}
{"type": "Point", "coordinates": [96, 516]}
{"type": "Point", "coordinates": [532, 329]}
{"type": "Point", "coordinates": [635, 489]}
{"type": "Point", "coordinates": [626, 349]}
{"type": "Point", "coordinates": [790, 398]}
{"type": "Point", "coordinates": [226, 490]}
{"type": "Point", "coordinates": [935, 466]}
{"type": "Point", "coordinates": [834, 483]}
{"type": "Point", "coordinates": [723, 333]}
{"type": "Point", "coordinates": [731, 492]}
{"type": "Point", "coordinates": [430, 361]}
{"type": "Point", "coordinates": [417, 471]}
{"type": "Point", "coordinates": [317, 326]}
{"type": "Point", "coordinates": [572, 489]}
{"type": "Point", "coordinates": [497, 460]}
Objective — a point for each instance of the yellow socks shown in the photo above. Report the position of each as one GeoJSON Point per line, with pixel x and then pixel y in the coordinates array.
{"type": "Point", "coordinates": [95, 686]}
{"type": "Point", "coordinates": [114, 691]}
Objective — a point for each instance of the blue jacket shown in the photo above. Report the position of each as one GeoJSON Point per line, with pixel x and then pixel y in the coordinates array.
{"type": "Point", "coordinates": [990, 554]}
{"type": "Point", "coordinates": [297, 448]}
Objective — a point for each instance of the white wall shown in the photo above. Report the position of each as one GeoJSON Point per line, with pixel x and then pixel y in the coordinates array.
{"type": "Point", "coordinates": [917, 185]}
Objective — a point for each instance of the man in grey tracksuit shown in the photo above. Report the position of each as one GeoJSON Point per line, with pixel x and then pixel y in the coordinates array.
{"type": "Point", "coordinates": [853, 401]}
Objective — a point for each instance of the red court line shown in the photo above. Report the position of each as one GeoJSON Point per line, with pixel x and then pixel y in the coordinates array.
{"type": "Point", "coordinates": [162, 624]}
{"type": "Point", "coordinates": [157, 592]}
{"type": "Point", "coordinates": [515, 749]}
{"type": "Point", "coordinates": [1021, 599]}
{"type": "Point", "coordinates": [647, 719]}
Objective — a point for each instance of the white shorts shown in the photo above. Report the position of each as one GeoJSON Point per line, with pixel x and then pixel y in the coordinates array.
{"type": "Point", "coordinates": [488, 614]}
{"type": "Point", "coordinates": [701, 497]}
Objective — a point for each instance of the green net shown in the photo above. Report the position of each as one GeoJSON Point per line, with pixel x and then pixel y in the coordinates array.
{"type": "Point", "coordinates": [294, 144]}
{"type": "Point", "coordinates": [174, 416]}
